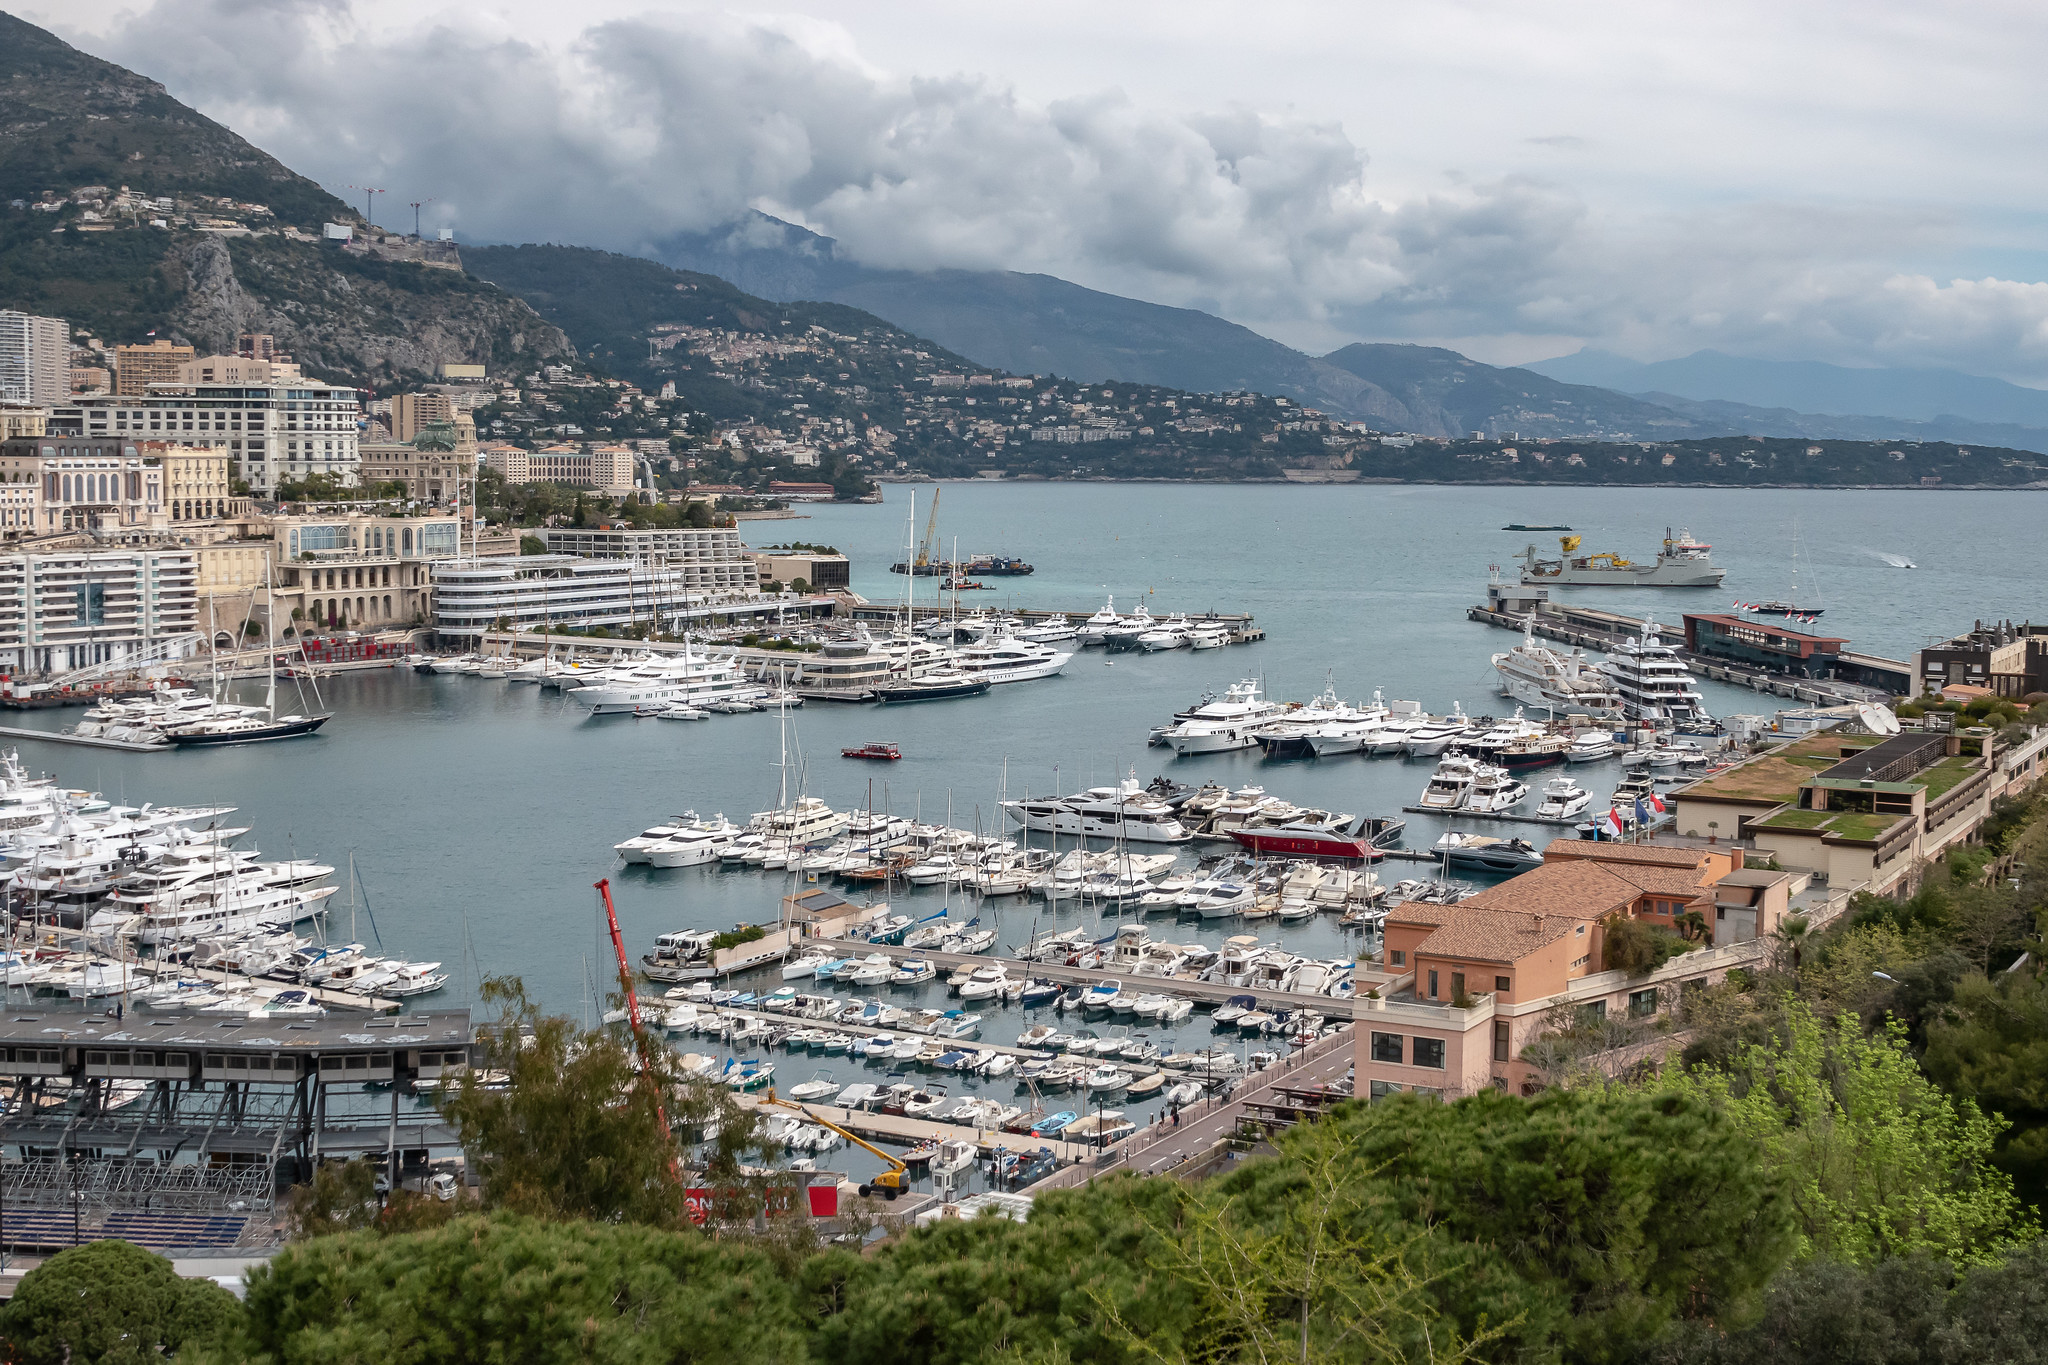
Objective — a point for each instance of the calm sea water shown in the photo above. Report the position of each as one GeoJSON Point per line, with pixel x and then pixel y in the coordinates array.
{"type": "Point", "coordinates": [479, 814]}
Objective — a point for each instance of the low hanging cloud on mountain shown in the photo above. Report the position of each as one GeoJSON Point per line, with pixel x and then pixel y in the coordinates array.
{"type": "Point", "coordinates": [644, 127]}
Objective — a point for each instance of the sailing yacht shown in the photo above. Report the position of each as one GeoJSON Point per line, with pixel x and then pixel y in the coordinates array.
{"type": "Point", "coordinates": [249, 728]}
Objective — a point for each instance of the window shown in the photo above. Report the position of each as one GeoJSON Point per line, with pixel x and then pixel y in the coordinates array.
{"type": "Point", "coordinates": [1502, 983]}
{"type": "Point", "coordinates": [1596, 1013]}
{"type": "Point", "coordinates": [1642, 1004]}
{"type": "Point", "coordinates": [1379, 1090]}
{"type": "Point", "coordinates": [1582, 930]}
{"type": "Point", "coordinates": [1457, 985]}
{"type": "Point", "coordinates": [1432, 983]}
{"type": "Point", "coordinates": [1502, 1040]}
{"type": "Point", "coordinates": [1397, 958]}
{"type": "Point", "coordinates": [1429, 1052]}
{"type": "Point", "coordinates": [1386, 1047]}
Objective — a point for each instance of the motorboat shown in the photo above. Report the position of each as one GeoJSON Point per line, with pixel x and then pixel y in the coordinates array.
{"type": "Point", "coordinates": [1125, 811]}
{"type": "Point", "coordinates": [1563, 799]}
{"type": "Point", "coordinates": [1485, 853]}
{"type": "Point", "coordinates": [1590, 746]}
{"type": "Point", "coordinates": [1103, 995]}
{"type": "Point", "coordinates": [1432, 738]}
{"type": "Point", "coordinates": [1493, 789]}
{"type": "Point", "coordinates": [1450, 783]}
{"type": "Point", "coordinates": [1308, 838]}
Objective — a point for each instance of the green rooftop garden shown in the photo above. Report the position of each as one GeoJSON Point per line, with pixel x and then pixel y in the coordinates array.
{"type": "Point", "coordinates": [1946, 776]}
{"type": "Point", "coordinates": [1849, 824]}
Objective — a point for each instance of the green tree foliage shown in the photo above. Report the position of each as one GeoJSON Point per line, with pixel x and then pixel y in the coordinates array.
{"type": "Point", "coordinates": [1581, 1222]}
{"type": "Point", "coordinates": [1990, 1044]}
{"type": "Point", "coordinates": [576, 1129]}
{"type": "Point", "coordinates": [110, 1303]}
{"type": "Point", "coordinates": [505, 1288]}
{"type": "Point", "coordinates": [1906, 1311]}
{"type": "Point", "coordinates": [1638, 948]}
{"type": "Point", "coordinates": [1879, 1162]}
{"type": "Point", "coordinates": [1318, 1278]}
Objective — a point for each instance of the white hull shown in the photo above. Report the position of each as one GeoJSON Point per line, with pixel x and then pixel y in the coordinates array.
{"type": "Point", "coordinates": [1103, 827]}
{"type": "Point", "coordinates": [1214, 742]}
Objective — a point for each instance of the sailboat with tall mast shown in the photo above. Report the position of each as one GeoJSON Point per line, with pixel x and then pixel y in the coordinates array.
{"type": "Point", "coordinates": [263, 724]}
{"type": "Point", "coordinates": [1787, 608]}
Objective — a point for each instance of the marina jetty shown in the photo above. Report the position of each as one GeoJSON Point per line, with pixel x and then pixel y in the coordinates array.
{"type": "Point", "coordinates": [1772, 656]}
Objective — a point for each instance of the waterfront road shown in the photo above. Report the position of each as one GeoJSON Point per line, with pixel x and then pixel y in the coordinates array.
{"type": "Point", "coordinates": [1160, 1148]}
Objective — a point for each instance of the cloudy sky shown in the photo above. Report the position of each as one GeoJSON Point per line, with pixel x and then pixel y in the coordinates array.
{"type": "Point", "coordinates": [1858, 183]}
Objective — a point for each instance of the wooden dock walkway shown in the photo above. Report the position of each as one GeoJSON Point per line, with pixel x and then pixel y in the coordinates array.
{"type": "Point", "coordinates": [1508, 816]}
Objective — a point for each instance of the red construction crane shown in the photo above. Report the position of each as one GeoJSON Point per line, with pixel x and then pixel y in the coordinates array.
{"type": "Point", "coordinates": [640, 1042]}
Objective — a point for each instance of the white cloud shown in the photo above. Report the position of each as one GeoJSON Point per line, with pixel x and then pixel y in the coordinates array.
{"type": "Point", "coordinates": [626, 130]}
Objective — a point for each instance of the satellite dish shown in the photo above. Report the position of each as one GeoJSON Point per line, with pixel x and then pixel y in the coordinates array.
{"type": "Point", "coordinates": [1877, 720]}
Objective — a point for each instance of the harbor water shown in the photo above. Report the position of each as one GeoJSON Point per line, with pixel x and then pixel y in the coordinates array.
{"type": "Point", "coordinates": [478, 814]}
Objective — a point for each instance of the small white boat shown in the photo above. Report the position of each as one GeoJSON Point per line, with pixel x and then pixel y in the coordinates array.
{"type": "Point", "coordinates": [818, 1087]}
{"type": "Point", "coordinates": [1563, 799]}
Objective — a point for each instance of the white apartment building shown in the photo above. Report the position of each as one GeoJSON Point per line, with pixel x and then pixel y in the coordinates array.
{"type": "Point", "coordinates": [70, 608]}
{"type": "Point", "coordinates": [711, 562]}
{"type": "Point", "coordinates": [525, 592]}
{"type": "Point", "coordinates": [273, 432]}
{"type": "Point", "coordinates": [35, 359]}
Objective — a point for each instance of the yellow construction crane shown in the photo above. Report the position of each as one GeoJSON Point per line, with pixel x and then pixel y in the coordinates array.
{"type": "Point", "coordinates": [929, 546]}
{"type": "Point", "coordinates": [891, 1182]}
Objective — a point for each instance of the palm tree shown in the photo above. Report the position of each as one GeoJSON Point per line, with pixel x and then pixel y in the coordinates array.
{"type": "Point", "coordinates": [1793, 933]}
{"type": "Point", "coordinates": [1691, 925]}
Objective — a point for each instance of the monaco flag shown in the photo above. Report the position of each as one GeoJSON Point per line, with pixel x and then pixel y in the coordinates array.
{"type": "Point", "coordinates": [1656, 803]}
{"type": "Point", "coordinates": [1612, 824]}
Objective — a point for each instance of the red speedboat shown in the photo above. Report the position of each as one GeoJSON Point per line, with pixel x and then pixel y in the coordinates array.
{"type": "Point", "coordinates": [1307, 839]}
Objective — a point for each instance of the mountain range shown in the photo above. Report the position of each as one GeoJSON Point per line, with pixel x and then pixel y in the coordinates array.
{"type": "Point", "coordinates": [1038, 324]}
{"type": "Point", "coordinates": [88, 151]}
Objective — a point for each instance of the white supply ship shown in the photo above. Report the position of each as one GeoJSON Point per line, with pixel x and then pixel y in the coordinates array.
{"type": "Point", "coordinates": [1682, 563]}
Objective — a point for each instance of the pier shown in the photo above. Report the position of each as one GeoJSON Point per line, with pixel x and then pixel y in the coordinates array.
{"type": "Point", "coordinates": [1597, 628]}
{"type": "Point", "coordinates": [965, 1044]}
{"type": "Point", "coordinates": [57, 737]}
{"type": "Point", "coordinates": [1201, 992]}
{"type": "Point", "coordinates": [901, 1130]}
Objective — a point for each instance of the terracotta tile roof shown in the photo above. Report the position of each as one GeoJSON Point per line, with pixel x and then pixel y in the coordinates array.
{"type": "Point", "coordinates": [1682, 882]}
{"type": "Point", "coordinates": [1603, 852]}
{"type": "Point", "coordinates": [1572, 888]}
{"type": "Point", "coordinates": [1503, 936]}
{"type": "Point", "coordinates": [1420, 913]}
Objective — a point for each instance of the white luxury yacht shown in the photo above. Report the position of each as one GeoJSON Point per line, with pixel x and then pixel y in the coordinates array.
{"type": "Point", "coordinates": [1006, 659]}
{"type": "Point", "coordinates": [691, 679]}
{"type": "Point", "coordinates": [1220, 726]}
{"type": "Point", "coordinates": [1120, 812]}
{"type": "Point", "coordinates": [1653, 681]}
{"type": "Point", "coordinates": [1540, 676]}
